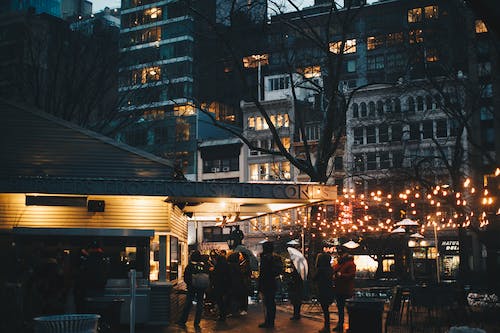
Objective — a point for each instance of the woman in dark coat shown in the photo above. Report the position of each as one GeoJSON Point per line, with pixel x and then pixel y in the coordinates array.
{"type": "Point", "coordinates": [344, 273]}
{"type": "Point", "coordinates": [324, 281]}
{"type": "Point", "coordinates": [295, 289]}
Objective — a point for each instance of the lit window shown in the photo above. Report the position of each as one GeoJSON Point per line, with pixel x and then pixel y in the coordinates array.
{"type": "Point", "coordinates": [312, 71]}
{"type": "Point", "coordinates": [153, 114]}
{"type": "Point", "coordinates": [480, 27]}
{"type": "Point", "coordinates": [431, 12]}
{"type": "Point", "coordinates": [286, 121]}
{"type": "Point", "coordinates": [258, 123]}
{"type": "Point", "coordinates": [431, 55]}
{"type": "Point", "coordinates": [349, 46]}
{"type": "Point", "coordinates": [253, 61]}
{"type": "Point", "coordinates": [184, 110]}
{"type": "Point", "coordinates": [414, 15]}
{"type": "Point", "coordinates": [153, 13]}
{"type": "Point", "coordinates": [251, 122]}
{"type": "Point", "coordinates": [150, 74]}
{"type": "Point", "coordinates": [374, 42]}
{"type": "Point", "coordinates": [181, 130]}
{"type": "Point", "coordinates": [416, 36]}
{"type": "Point", "coordinates": [286, 142]}
{"type": "Point", "coordinates": [254, 172]}
{"type": "Point", "coordinates": [273, 119]}
{"type": "Point", "coordinates": [279, 120]}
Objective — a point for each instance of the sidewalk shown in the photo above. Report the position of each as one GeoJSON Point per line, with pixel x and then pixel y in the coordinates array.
{"type": "Point", "coordinates": [310, 323]}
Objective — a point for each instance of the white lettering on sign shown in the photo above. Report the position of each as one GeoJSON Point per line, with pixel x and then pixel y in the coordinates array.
{"type": "Point", "coordinates": [450, 245]}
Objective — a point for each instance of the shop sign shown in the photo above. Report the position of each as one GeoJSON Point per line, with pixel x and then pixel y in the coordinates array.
{"type": "Point", "coordinates": [448, 246]}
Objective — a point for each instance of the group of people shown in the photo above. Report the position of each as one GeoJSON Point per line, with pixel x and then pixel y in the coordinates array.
{"type": "Point", "coordinates": [228, 279]}
{"type": "Point", "coordinates": [334, 283]}
{"type": "Point", "coordinates": [228, 284]}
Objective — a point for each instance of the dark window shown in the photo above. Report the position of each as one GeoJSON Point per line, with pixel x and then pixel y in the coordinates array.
{"type": "Point", "coordinates": [397, 132]}
{"type": "Point", "coordinates": [428, 102]}
{"type": "Point", "coordinates": [371, 161]}
{"type": "Point", "coordinates": [161, 135]}
{"type": "Point", "coordinates": [358, 136]}
{"type": "Point", "coordinates": [383, 133]}
{"type": "Point", "coordinates": [397, 105]}
{"type": "Point", "coordinates": [338, 163]}
{"type": "Point", "coordinates": [415, 131]}
{"type": "Point", "coordinates": [371, 109]}
{"type": "Point", "coordinates": [410, 103]}
{"type": "Point", "coordinates": [214, 234]}
{"type": "Point", "coordinates": [359, 163]}
{"type": "Point", "coordinates": [355, 111]}
{"type": "Point", "coordinates": [385, 161]}
{"type": "Point", "coordinates": [441, 131]}
{"type": "Point", "coordinates": [397, 159]}
{"type": "Point", "coordinates": [428, 129]}
{"type": "Point", "coordinates": [380, 108]}
{"type": "Point", "coordinates": [375, 63]}
{"type": "Point", "coordinates": [138, 137]}
{"type": "Point", "coordinates": [420, 103]}
{"type": "Point", "coordinates": [388, 105]}
{"type": "Point", "coordinates": [363, 109]}
{"type": "Point", "coordinates": [370, 135]}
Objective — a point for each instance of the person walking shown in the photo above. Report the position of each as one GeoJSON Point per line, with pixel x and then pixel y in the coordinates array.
{"type": "Point", "coordinates": [197, 281]}
{"type": "Point", "coordinates": [270, 269]}
{"type": "Point", "coordinates": [295, 291]}
{"type": "Point", "coordinates": [324, 280]}
{"type": "Point", "coordinates": [344, 272]}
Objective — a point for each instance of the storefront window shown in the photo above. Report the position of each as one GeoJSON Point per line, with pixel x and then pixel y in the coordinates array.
{"type": "Point", "coordinates": [174, 258]}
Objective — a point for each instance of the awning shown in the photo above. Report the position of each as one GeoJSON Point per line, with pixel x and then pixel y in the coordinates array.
{"type": "Point", "coordinates": [232, 202]}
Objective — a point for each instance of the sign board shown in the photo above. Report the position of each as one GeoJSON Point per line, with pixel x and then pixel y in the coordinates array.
{"type": "Point", "coordinates": [449, 246]}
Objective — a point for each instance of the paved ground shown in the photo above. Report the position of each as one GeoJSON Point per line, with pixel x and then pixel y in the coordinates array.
{"type": "Point", "coordinates": [311, 322]}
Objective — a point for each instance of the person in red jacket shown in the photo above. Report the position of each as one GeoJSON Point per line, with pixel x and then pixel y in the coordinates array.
{"type": "Point", "coordinates": [344, 272]}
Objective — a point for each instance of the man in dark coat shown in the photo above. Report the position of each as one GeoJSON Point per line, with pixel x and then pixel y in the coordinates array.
{"type": "Point", "coordinates": [295, 291]}
{"type": "Point", "coordinates": [196, 266]}
{"type": "Point", "coordinates": [267, 284]}
{"type": "Point", "coordinates": [344, 273]}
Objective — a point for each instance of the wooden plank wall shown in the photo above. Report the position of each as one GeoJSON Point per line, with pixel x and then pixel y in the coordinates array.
{"type": "Point", "coordinates": [125, 212]}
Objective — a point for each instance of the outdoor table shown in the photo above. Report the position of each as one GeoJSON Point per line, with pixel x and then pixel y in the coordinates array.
{"type": "Point", "coordinates": [365, 314]}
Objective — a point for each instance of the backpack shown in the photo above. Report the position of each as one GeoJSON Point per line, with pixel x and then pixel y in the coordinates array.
{"type": "Point", "coordinates": [200, 278]}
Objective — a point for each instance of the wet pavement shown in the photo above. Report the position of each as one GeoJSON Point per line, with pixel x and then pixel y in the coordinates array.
{"type": "Point", "coordinates": [311, 321]}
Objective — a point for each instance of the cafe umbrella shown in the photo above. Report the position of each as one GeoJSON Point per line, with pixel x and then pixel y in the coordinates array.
{"type": "Point", "coordinates": [299, 262]}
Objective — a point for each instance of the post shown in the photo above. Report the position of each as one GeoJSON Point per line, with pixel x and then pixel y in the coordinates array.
{"type": "Point", "coordinates": [437, 254]}
{"type": "Point", "coordinates": [303, 241]}
{"type": "Point", "coordinates": [133, 281]}
{"type": "Point", "coordinates": [259, 88]}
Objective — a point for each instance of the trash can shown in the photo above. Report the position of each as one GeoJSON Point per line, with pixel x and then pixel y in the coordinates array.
{"type": "Point", "coordinates": [67, 323]}
{"type": "Point", "coordinates": [365, 315]}
{"type": "Point", "coordinates": [109, 309]}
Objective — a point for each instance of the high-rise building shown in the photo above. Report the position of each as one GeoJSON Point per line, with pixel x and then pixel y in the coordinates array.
{"type": "Point", "coordinates": [51, 7]}
{"type": "Point", "coordinates": [169, 73]}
